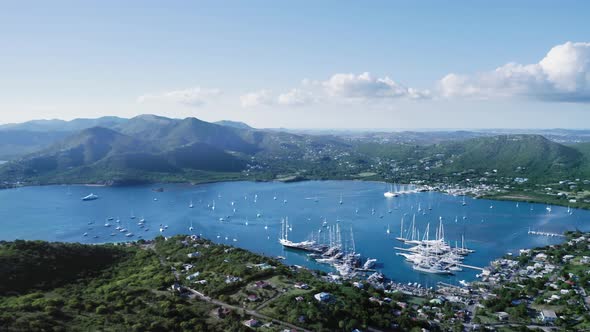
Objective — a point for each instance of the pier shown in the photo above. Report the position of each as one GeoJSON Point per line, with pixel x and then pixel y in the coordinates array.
{"type": "Point", "coordinates": [549, 234]}
{"type": "Point", "coordinates": [470, 267]}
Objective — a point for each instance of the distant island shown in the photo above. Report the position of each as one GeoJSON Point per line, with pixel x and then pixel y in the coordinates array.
{"type": "Point", "coordinates": [152, 149]}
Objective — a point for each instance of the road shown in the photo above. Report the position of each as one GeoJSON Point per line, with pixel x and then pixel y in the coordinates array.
{"type": "Point", "coordinates": [252, 313]}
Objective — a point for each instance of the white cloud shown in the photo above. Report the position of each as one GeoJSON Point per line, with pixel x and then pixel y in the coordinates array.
{"type": "Point", "coordinates": [367, 87]}
{"type": "Point", "coordinates": [257, 98]}
{"type": "Point", "coordinates": [562, 75]}
{"type": "Point", "coordinates": [194, 97]}
{"type": "Point", "coordinates": [296, 97]}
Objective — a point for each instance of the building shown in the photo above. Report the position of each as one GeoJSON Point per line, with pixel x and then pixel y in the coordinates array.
{"type": "Point", "coordinates": [502, 316]}
{"type": "Point", "coordinates": [252, 323]}
{"type": "Point", "coordinates": [547, 316]}
{"type": "Point", "coordinates": [301, 285]}
{"type": "Point", "coordinates": [323, 297]}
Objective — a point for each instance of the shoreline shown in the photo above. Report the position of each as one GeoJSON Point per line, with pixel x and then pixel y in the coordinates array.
{"type": "Point", "coordinates": [494, 197]}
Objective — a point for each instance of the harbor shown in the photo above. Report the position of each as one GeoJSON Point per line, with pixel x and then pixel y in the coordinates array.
{"type": "Point", "coordinates": [323, 217]}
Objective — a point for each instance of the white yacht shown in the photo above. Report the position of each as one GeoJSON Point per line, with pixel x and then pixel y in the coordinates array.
{"type": "Point", "coordinates": [90, 197]}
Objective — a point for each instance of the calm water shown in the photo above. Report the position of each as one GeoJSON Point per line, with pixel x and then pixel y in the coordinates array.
{"type": "Point", "coordinates": [56, 213]}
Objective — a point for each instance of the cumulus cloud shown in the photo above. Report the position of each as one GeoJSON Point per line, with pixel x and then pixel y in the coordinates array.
{"type": "Point", "coordinates": [296, 97]}
{"type": "Point", "coordinates": [257, 98]}
{"type": "Point", "coordinates": [367, 87]}
{"type": "Point", "coordinates": [562, 75]}
{"type": "Point", "coordinates": [193, 97]}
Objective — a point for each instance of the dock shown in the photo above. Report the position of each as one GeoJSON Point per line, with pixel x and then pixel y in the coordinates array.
{"type": "Point", "coordinates": [470, 267]}
{"type": "Point", "coordinates": [549, 234]}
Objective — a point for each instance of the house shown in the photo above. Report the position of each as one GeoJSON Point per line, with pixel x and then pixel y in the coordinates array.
{"type": "Point", "coordinates": [261, 284]}
{"type": "Point", "coordinates": [540, 257]}
{"type": "Point", "coordinates": [194, 254]}
{"type": "Point", "coordinates": [299, 298]}
{"type": "Point", "coordinates": [252, 323]}
{"type": "Point", "coordinates": [323, 297]}
{"type": "Point", "coordinates": [253, 298]}
{"type": "Point", "coordinates": [193, 276]}
{"type": "Point", "coordinates": [300, 285]}
{"type": "Point", "coordinates": [547, 316]}
{"type": "Point", "coordinates": [502, 316]}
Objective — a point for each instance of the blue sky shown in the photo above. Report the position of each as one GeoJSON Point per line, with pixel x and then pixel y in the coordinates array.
{"type": "Point", "coordinates": [300, 64]}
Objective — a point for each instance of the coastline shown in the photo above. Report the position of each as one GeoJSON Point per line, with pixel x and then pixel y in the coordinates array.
{"type": "Point", "coordinates": [514, 196]}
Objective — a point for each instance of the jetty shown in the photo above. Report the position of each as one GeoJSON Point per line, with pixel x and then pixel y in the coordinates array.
{"type": "Point", "coordinates": [548, 234]}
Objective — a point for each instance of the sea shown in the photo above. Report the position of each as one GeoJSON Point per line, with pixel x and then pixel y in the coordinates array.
{"type": "Point", "coordinates": [249, 215]}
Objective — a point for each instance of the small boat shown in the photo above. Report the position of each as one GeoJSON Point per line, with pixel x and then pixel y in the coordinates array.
{"type": "Point", "coordinates": [390, 193]}
{"type": "Point", "coordinates": [129, 234]}
{"type": "Point", "coordinates": [90, 197]}
{"type": "Point", "coordinates": [106, 224]}
{"type": "Point", "coordinates": [85, 234]}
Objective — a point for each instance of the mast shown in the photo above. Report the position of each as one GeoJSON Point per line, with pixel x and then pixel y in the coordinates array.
{"type": "Point", "coordinates": [352, 240]}
{"type": "Point", "coordinates": [401, 230]}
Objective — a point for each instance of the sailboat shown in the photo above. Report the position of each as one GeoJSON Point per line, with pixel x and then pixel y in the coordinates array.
{"type": "Point", "coordinates": [463, 203]}
{"type": "Point", "coordinates": [340, 199]}
{"type": "Point", "coordinates": [285, 242]}
{"type": "Point", "coordinates": [191, 205]}
{"type": "Point", "coordinates": [388, 231]}
{"type": "Point", "coordinates": [191, 227]}
{"type": "Point", "coordinates": [390, 193]}
{"type": "Point", "coordinates": [401, 231]}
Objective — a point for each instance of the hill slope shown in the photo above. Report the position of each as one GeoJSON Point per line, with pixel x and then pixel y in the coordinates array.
{"type": "Point", "coordinates": [532, 155]}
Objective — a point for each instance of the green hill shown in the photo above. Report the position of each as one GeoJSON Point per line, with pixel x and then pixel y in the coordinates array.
{"type": "Point", "coordinates": [532, 155]}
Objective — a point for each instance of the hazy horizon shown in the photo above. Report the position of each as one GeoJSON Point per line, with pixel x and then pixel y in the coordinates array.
{"type": "Point", "coordinates": [301, 65]}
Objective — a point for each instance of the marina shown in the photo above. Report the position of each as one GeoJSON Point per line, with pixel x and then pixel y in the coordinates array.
{"type": "Point", "coordinates": [419, 237]}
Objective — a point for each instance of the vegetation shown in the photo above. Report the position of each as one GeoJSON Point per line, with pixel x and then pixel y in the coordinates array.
{"type": "Point", "coordinates": [152, 149]}
{"type": "Point", "coordinates": [74, 287]}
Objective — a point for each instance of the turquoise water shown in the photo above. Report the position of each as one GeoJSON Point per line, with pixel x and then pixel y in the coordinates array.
{"type": "Point", "coordinates": [56, 213]}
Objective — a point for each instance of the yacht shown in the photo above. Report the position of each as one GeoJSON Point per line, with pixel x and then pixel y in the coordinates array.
{"type": "Point", "coordinates": [390, 193]}
{"type": "Point", "coordinates": [90, 197]}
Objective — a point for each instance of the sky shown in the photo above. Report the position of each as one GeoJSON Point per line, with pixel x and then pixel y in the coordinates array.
{"type": "Point", "coordinates": [300, 64]}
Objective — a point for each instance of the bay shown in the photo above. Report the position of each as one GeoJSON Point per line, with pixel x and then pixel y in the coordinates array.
{"type": "Point", "coordinates": [491, 228]}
